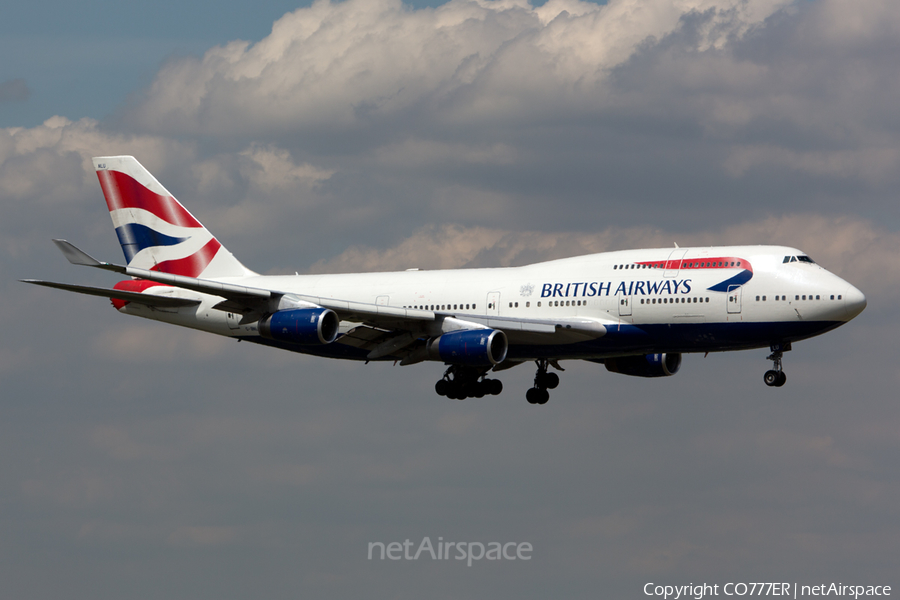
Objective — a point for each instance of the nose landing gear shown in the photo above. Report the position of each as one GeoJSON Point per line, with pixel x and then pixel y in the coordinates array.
{"type": "Point", "coordinates": [776, 377]}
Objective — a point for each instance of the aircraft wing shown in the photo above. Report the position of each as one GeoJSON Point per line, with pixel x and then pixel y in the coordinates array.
{"type": "Point", "coordinates": [253, 303]}
{"type": "Point", "coordinates": [137, 297]}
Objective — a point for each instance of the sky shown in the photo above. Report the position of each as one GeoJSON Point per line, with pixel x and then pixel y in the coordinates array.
{"type": "Point", "coordinates": [139, 460]}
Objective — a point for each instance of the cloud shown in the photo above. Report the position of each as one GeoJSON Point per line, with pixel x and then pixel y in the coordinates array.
{"type": "Point", "coordinates": [366, 136]}
{"type": "Point", "coordinates": [341, 64]}
{"type": "Point", "coordinates": [501, 114]}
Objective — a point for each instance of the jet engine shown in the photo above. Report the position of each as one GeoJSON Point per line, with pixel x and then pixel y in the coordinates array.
{"type": "Point", "coordinates": [473, 347]}
{"type": "Point", "coordinates": [650, 365]}
{"type": "Point", "coordinates": [305, 326]}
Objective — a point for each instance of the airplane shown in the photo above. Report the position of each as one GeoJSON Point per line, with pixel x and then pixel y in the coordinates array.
{"type": "Point", "coordinates": [634, 311]}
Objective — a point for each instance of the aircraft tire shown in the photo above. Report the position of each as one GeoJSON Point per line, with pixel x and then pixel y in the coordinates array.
{"type": "Point", "coordinates": [771, 378]}
{"type": "Point", "coordinates": [551, 380]}
{"type": "Point", "coordinates": [782, 379]}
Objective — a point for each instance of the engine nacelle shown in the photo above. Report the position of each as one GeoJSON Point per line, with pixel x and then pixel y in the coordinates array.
{"type": "Point", "coordinates": [474, 347]}
{"type": "Point", "coordinates": [650, 365]}
{"type": "Point", "coordinates": [305, 326]}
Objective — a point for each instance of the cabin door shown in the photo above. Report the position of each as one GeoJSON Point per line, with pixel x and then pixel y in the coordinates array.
{"type": "Point", "coordinates": [493, 303]}
{"type": "Point", "coordinates": [734, 299]}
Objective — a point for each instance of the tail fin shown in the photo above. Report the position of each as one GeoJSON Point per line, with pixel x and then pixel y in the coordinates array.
{"type": "Point", "coordinates": [156, 232]}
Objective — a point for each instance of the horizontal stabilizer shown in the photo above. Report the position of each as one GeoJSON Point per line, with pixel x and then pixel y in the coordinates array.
{"type": "Point", "coordinates": [204, 286]}
{"type": "Point", "coordinates": [137, 297]}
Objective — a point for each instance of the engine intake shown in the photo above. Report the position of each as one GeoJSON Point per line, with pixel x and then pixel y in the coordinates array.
{"type": "Point", "coordinates": [474, 347]}
{"type": "Point", "coordinates": [305, 326]}
{"type": "Point", "coordinates": [650, 365]}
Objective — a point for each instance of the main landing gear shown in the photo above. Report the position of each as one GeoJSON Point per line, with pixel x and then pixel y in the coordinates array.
{"type": "Point", "coordinates": [542, 382]}
{"type": "Point", "coordinates": [776, 377]}
{"type": "Point", "coordinates": [461, 382]}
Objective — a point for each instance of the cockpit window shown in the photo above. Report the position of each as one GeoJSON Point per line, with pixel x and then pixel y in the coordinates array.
{"type": "Point", "coordinates": [802, 258]}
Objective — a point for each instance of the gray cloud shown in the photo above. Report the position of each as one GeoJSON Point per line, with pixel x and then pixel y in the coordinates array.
{"type": "Point", "coordinates": [144, 461]}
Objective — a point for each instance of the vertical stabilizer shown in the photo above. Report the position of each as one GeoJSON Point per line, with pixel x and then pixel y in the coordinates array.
{"type": "Point", "coordinates": [156, 232]}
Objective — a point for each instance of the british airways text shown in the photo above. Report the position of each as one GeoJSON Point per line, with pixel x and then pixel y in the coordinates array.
{"type": "Point", "coordinates": [604, 288]}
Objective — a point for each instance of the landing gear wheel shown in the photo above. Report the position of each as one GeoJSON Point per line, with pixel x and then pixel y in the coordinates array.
{"type": "Point", "coordinates": [460, 382]}
{"type": "Point", "coordinates": [771, 378]}
{"type": "Point", "coordinates": [533, 395]}
{"type": "Point", "coordinates": [542, 396]}
{"type": "Point", "coordinates": [782, 378]}
{"type": "Point", "coordinates": [547, 380]}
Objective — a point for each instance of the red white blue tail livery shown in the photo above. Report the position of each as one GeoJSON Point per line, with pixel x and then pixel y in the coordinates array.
{"type": "Point", "coordinates": [156, 232]}
{"type": "Point", "coordinates": [637, 312]}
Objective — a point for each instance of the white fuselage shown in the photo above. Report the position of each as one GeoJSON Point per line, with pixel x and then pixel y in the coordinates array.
{"type": "Point", "coordinates": [683, 299]}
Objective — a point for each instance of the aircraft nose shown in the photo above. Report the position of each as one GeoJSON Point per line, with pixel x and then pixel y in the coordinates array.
{"type": "Point", "coordinates": [854, 302]}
